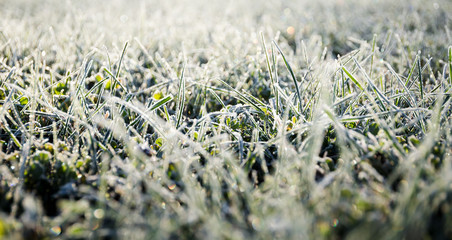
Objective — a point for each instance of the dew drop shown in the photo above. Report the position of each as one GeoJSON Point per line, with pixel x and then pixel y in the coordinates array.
{"type": "Point", "coordinates": [99, 213]}
{"type": "Point", "coordinates": [56, 230]}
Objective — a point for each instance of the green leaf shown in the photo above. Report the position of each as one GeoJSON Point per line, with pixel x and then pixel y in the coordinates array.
{"type": "Point", "coordinates": [23, 100]}
{"type": "Point", "coordinates": [157, 95]}
{"type": "Point", "coordinates": [159, 142]}
{"type": "Point", "coordinates": [42, 156]}
{"type": "Point", "coordinates": [61, 88]}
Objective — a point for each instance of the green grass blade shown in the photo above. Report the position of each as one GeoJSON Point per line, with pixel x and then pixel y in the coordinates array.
{"type": "Point", "coordinates": [118, 71]}
{"type": "Point", "coordinates": [421, 84]}
{"type": "Point", "coordinates": [121, 59]}
{"type": "Point", "coordinates": [276, 89]}
{"type": "Point", "coordinates": [405, 89]}
{"type": "Point", "coordinates": [116, 80]}
{"type": "Point", "coordinates": [181, 98]}
{"type": "Point", "coordinates": [152, 108]}
{"type": "Point", "coordinates": [217, 97]}
{"type": "Point", "coordinates": [12, 136]}
{"type": "Point", "coordinates": [161, 102]}
{"type": "Point", "coordinates": [244, 98]}
{"type": "Point", "coordinates": [353, 78]}
{"type": "Point", "coordinates": [292, 74]}
{"type": "Point", "coordinates": [95, 87]}
{"type": "Point", "coordinates": [269, 68]}
{"type": "Point", "coordinates": [348, 118]}
{"type": "Point", "coordinates": [374, 42]}
{"type": "Point", "coordinates": [450, 65]}
{"type": "Point", "coordinates": [381, 97]}
{"type": "Point", "coordinates": [411, 71]}
{"type": "Point", "coordinates": [8, 77]}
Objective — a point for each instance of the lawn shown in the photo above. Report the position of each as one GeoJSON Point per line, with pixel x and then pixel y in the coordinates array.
{"type": "Point", "coordinates": [211, 119]}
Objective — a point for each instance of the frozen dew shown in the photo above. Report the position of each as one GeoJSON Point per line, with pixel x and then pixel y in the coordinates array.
{"type": "Point", "coordinates": [255, 222]}
{"type": "Point", "coordinates": [99, 213]}
{"type": "Point", "coordinates": [251, 163]}
{"type": "Point", "coordinates": [172, 186]}
{"type": "Point", "coordinates": [290, 30]}
{"type": "Point", "coordinates": [95, 227]}
{"type": "Point", "coordinates": [124, 18]}
{"type": "Point", "coordinates": [287, 11]}
{"type": "Point", "coordinates": [56, 230]}
{"type": "Point", "coordinates": [335, 222]}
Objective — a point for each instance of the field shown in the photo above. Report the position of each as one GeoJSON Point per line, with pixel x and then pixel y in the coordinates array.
{"type": "Point", "coordinates": [211, 119]}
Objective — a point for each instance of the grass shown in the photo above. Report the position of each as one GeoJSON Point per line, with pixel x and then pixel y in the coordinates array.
{"type": "Point", "coordinates": [225, 120]}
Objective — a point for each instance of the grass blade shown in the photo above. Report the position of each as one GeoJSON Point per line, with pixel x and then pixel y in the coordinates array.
{"type": "Point", "coordinates": [292, 75]}
{"type": "Point", "coordinates": [181, 98]}
{"type": "Point", "coordinates": [273, 83]}
{"type": "Point", "coordinates": [244, 98]}
{"type": "Point", "coordinates": [116, 80]}
{"type": "Point", "coordinates": [450, 65]}
{"type": "Point", "coordinates": [217, 97]}
{"type": "Point", "coordinates": [161, 102]}
{"type": "Point", "coordinates": [8, 77]}
{"type": "Point", "coordinates": [353, 78]}
{"type": "Point", "coordinates": [421, 85]}
{"type": "Point", "coordinates": [411, 71]}
{"type": "Point", "coordinates": [373, 55]}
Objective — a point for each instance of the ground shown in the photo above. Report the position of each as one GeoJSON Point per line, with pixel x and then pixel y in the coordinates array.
{"type": "Point", "coordinates": [225, 119]}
